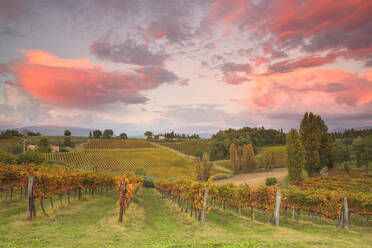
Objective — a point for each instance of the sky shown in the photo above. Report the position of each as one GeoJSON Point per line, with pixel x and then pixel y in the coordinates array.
{"type": "Point", "coordinates": [195, 66]}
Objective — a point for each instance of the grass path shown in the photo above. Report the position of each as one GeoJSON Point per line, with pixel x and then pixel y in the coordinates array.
{"type": "Point", "coordinates": [152, 221]}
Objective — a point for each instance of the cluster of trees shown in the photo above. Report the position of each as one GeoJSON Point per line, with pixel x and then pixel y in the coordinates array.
{"type": "Point", "coordinates": [242, 158]}
{"type": "Point", "coordinates": [203, 168]}
{"type": "Point", "coordinates": [220, 142]}
{"type": "Point", "coordinates": [171, 136]}
{"type": "Point", "coordinates": [10, 133]}
{"type": "Point", "coordinates": [310, 149]}
{"type": "Point", "coordinates": [108, 133]}
{"type": "Point", "coordinates": [352, 134]}
{"type": "Point", "coordinates": [15, 133]}
{"type": "Point", "coordinates": [360, 150]}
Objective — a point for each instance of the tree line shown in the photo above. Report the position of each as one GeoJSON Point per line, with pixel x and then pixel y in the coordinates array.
{"type": "Point", "coordinates": [352, 133]}
{"type": "Point", "coordinates": [172, 135]}
{"type": "Point", "coordinates": [107, 133]}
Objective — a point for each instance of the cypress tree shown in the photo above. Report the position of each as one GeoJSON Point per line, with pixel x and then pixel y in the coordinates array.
{"type": "Point", "coordinates": [317, 143]}
{"type": "Point", "coordinates": [295, 156]}
{"type": "Point", "coordinates": [311, 139]}
{"type": "Point", "coordinates": [198, 170]}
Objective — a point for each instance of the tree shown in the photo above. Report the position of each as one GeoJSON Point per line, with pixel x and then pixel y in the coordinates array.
{"type": "Point", "coordinates": [90, 134]}
{"type": "Point", "coordinates": [295, 156]}
{"type": "Point", "coordinates": [362, 150]}
{"type": "Point", "coordinates": [342, 154]}
{"type": "Point", "coordinates": [148, 135]}
{"type": "Point", "coordinates": [238, 159]}
{"type": "Point", "coordinates": [251, 159]}
{"type": "Point", "coordinates": [245, 158]}
{"type": "Point", "coordinates": [123, 136]}
{"type": "Point", "coordinates": [268, 160]}
{"type": "Point", "coordinates": [43, 145]}
{"type": "Point", "coordinates": [67, 133]}
{"type": "Point", "coordinates": [97, 134]}
{"type": "Point", "coordinates": [108, 133]}
{"type": "Point", "coordinates": [29, 157]}
{"type": "Point", "coordinates": [317, 143]}
{"type": "Point", "coordinates": [206, 167]}
{"type": "Point", "coordinates": [67, 141]}
{"type": "Point", "coordinates": [232, 151]}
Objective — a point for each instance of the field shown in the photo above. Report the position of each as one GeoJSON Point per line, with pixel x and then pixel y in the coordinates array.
{"type": "Point", "coordinates": [152, 221]}
{"type": "Point", "coordinates": [279, 154]}
{"type": "Point", "coordinates": [152, 161]}
{"type": "Point", "coordinates": [187, 147]}
{"type": "Point", "coordinates": [117, 144]}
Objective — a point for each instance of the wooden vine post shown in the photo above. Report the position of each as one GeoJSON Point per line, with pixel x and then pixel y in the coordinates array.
{"type": "Point", "coordinates": [345, 221]}
{"type": "Point", "coordinates": [31, 211]}
{"type": "Point", "coordinates": [204, 206]}
{"type": "Point", "coordinates": [277, 207]}
{"type": "Point", "coordinates": [122, 199]}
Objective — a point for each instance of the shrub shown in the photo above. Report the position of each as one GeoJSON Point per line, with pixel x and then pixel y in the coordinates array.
{"type": "Point", "coordinates": [7, 158]}
{"type": "Point", "coordinates": [271, 181]}
{"type": "Point", "coordinates": [30, 157]}
{"type": "Point", "coordinates": [221, 176]}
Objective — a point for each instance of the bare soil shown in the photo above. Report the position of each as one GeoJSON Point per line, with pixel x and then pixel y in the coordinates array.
{"type": "Point", "coordinates": [255, 179]}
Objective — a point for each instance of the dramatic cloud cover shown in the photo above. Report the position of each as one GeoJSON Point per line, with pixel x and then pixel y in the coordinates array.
{"type": "Point", "coordinates": [190, 66]}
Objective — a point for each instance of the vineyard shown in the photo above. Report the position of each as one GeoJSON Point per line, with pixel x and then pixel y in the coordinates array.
{"type": "Point", "coordinates": [45, 182]}
{"type": "Point", "coordinates": [155, 161]}
{"type": "Point", "coordinates": [188, 147]}
{"type": "Point", "coordinates": [117, 144]}
{"type": "Point", "coordinates": [318, 200]}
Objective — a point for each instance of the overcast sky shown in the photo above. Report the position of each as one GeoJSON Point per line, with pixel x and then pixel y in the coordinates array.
{"type": "Point", "coordinates": [189, 66]}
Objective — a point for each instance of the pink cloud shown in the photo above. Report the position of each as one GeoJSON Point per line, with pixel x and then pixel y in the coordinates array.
{"type": "Point", "coordinates": [310, 88]}
{"type": "Point", "coordinates": [79, 83]}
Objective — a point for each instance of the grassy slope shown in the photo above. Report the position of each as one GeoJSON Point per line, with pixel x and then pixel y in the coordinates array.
{"type": "Point", "coordinates": [154, 222]}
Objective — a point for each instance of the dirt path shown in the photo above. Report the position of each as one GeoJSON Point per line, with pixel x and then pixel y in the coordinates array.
{"type": "Point", "coordinates": [254, 179]}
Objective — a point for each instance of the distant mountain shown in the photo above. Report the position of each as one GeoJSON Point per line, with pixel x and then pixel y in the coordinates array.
{"type": "Point", "coordinates": [49, 130]}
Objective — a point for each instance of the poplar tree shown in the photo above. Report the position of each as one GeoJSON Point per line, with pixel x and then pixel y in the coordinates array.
{"type": "Point", "coordinates": [251, 159]}
{"type": "Point", "coordinates": [245, 158]}
{"type": "Point", "coordinates": [295, 156]}
{"type": "Point", "coordinates": [232, 151]}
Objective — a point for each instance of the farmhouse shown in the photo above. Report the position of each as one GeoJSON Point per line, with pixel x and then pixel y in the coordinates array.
{"type": "Point", "coordinates": [54, 148]}
{"type": "Point", "coordinates": [31, 147]}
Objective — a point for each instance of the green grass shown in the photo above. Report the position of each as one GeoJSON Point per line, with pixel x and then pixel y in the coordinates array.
{"type": "Point", "coordinates": [152, 221]}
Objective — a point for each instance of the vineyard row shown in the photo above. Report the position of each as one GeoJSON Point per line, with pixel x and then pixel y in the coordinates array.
{"type": "Point", "coordinates": [43, 182]}
{"type": "Point", "coordinates": [327, 203]}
